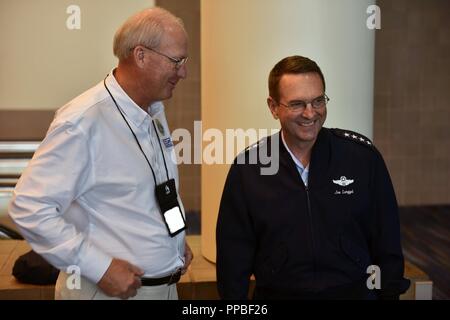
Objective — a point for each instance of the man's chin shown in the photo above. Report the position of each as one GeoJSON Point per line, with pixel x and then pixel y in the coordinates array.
{"type": "Point", "coordinates": [170, 91]}
{"type": "Point", "coordinates": [307, 136]}
{"type": "Point", "coordinates": [166, 96]}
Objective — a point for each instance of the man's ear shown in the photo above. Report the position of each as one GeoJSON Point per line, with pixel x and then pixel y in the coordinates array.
{"type": "Point", "coordinates": [273, 107]}
{"type": "Point", "coordinates": [139, 56]}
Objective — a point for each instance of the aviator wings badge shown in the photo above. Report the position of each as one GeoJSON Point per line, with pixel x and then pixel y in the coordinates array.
{"type": "Point", "coordinates": [343, 181]}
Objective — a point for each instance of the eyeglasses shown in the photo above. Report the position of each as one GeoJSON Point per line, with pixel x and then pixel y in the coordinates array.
{"type": "Point", "coordinates": [299, 105]}
{"type": "Point", "coordinates": [179, 62]}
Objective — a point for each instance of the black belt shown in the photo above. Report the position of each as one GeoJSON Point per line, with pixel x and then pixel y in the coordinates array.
{"type": "Point", "coordinates": [173, 278]}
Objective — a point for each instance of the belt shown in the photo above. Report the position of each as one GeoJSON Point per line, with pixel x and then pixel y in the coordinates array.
{"type": "Point", "coordinates": [173, 278]}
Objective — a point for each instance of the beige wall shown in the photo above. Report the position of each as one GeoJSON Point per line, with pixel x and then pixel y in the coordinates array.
{"type": "Point", "coordinates": [44, 64]}
{"type": "Point", "coordinates": [184, 107]}
{"type": "Point", "coordinates": [411, 110]}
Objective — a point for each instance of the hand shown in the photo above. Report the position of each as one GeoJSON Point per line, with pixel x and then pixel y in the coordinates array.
{"type": "Point", "coordinates": [188, 256]}
{"type": "Point", "coordinates": [122, 279]}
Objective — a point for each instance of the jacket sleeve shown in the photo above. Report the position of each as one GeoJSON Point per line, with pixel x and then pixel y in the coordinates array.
{"type": "Point", "coordinates": [386, 246]}
{"type": "Point", "coordinates": [235, 240]}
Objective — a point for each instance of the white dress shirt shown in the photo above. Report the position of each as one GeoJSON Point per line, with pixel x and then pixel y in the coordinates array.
{"type": "Point", "coordinates": [88, 194]}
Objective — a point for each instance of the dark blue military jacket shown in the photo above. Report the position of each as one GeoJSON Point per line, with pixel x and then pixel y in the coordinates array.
{"type": "Point", "coordinates": [316, 241]}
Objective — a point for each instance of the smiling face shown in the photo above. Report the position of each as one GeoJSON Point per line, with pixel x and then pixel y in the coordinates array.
{"type": "Point", "coordinates": [300, 127]}
{"type": "Point", "coordinates": [159, 74]}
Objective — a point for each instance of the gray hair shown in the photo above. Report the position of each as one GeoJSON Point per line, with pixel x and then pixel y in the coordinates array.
{"type": "Point", "coordinates": [143, 28]}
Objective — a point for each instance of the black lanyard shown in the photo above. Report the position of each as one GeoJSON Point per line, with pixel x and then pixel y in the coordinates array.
{"type": "Point", "coordinates": [137, 141]}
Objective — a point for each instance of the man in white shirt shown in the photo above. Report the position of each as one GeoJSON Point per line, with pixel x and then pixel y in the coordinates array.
{"type": "Point", "coordinates": [87, 199]}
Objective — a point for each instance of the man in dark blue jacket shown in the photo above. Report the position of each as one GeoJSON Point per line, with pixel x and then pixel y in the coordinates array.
{"type": "Point", "coordinates": [326, 225]}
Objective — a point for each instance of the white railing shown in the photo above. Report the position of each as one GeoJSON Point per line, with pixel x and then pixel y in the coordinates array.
{"type": "Point", "coordinates": [5, 197]}
{"type": "Point", "coordinates": [18, 146]}
{"type": "Point", "coordinates": [13, 166]}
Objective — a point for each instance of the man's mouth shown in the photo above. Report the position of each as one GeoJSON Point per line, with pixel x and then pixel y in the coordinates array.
{"type": "Point", "coordinates": [307, 123]}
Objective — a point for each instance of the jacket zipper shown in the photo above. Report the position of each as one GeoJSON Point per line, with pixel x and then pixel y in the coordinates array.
{"type": "Point", "coordinates": [312, 232]}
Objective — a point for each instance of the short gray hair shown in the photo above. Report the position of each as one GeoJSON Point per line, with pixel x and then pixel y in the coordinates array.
{"type": "Point", "coordinates": [143, 28]}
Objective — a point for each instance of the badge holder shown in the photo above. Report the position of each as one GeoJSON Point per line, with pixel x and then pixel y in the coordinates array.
{"type": "Point", "coordinates": [166, 195]}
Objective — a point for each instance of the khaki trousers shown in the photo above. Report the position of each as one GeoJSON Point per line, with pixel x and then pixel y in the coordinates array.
{"type": "Point", "coordinates": [90, 291]}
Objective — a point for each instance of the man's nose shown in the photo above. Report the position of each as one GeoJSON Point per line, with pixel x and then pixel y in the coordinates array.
{"type": "Point", "coordinates": [309, 111]}
{"type": "Point", "coordinates": [182, 72]}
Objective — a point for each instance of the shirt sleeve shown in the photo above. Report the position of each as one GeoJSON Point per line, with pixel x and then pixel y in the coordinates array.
{"type": "Point", "coordinates": [387, 250]}
{"type": "Point", "coordinates": [59, 172]}
{"type": "Point", "coordinates": [235, 240]}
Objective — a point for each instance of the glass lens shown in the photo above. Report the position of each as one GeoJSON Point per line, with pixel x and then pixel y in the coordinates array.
{"type": "Point", "coordinates": [297, 105]}
{"type": "Point", "coordinates": [318, 102]}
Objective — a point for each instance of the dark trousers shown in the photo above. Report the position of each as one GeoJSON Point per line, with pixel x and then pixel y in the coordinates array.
{"type": "Point", "coordinates": [353, 291]}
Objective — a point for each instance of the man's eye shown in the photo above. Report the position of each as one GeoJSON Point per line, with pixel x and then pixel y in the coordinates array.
{"type": "Point", "coordinates": [297, 104]}
{"type": "Point", "coordinates": [319, 100]}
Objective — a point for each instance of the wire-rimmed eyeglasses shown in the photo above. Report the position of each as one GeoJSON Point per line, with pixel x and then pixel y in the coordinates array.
{"type": "Point", "coordinates": [299, 105]}
{"type": "Point", "coordinates": [179, 62]}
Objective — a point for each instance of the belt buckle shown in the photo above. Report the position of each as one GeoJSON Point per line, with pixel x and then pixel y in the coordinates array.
{"type": "Point", "coordinates": [175, 277]}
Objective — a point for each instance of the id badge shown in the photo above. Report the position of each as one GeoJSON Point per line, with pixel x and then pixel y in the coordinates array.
{"type": "Point", "coordinates": [166, 195]}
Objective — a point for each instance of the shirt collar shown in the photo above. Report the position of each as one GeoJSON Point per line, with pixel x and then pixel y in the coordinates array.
{"type": "Point", "coordinates": [294, 158]}
{"type": "Point", "coordinates": [128, 106]}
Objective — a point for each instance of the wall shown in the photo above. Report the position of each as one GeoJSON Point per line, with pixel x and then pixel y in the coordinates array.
{"type": "Point", "coordinates": [184, 107]}
{"type": "Point", "coordinates": [44, 64]}
{"type": "Point", "coordinates": [411, 108]}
